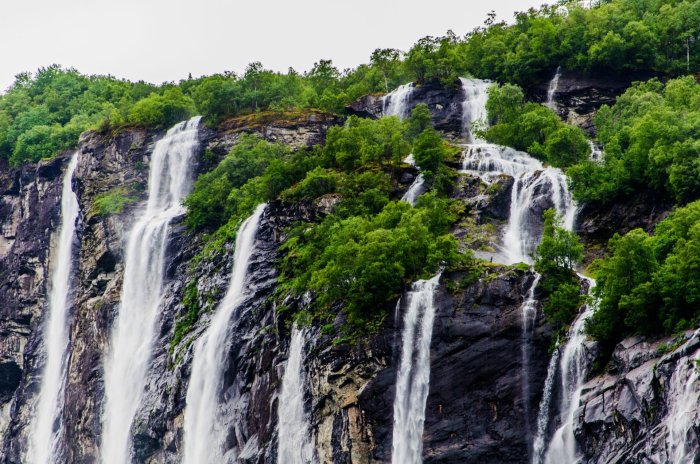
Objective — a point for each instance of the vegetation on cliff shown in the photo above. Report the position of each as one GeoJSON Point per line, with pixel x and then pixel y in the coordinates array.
{"type": "Point", "coordinates": [369, 246]}
{"type": "Point", "coordinates": [652, 140]}
{"type": "Point", "coordinates": [532, 128]}
{"type": "Point", "coordinates": [649, 284]}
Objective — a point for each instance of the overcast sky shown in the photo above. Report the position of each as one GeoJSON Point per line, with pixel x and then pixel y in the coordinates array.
{"type": "Point", "coordinates": [165, 40]}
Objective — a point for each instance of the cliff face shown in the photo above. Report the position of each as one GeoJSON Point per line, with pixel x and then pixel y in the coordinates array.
{"type": "Point", "coordinates": [484, 393]}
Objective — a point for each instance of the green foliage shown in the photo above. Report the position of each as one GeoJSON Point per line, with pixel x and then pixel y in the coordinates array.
{"type": "Point", "coordinates": [419, 121]}
{"type": "Point", "coordinates": [162, 110]}
{"type": "Point", "coordinates": [364, 141]}
{"type": "Point", "coordinates": [429, 152]}
{"type": "Point", "coordinates": [629, 267]}
{"type": "Point", "coordinates": [555, 258]}
{"type": "Point", "coordinates": [223, 193]}
{"type": "Point", "coordinates": [532, 128]}
{"type": "Point", "coordinates": [365, 262]}
{"type": "Point", "coordinates": [112, 202]}
{"type": "Point", "coordinates": [615, 36]}
{"type": "Point", "coordinates": [652, 140]}
{"type": "Point", "coordinates": [44, 114]}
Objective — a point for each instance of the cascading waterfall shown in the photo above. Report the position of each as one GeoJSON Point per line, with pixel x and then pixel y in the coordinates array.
{"type": "Point", "coordinates": [396, 102]}
{"type": "Point", "coordinates": [416, 188]}
{"type": "Point", "coordinates": [203, 441]}
{"type": "Point", "coordinates": [413, 380]}
{"type": "Point", "coordinates": [552, 91]}
{"type": "Point", "coordinates": [528, 318]}
{"type": "Point", "coordinates": [518, 240]}
{"type": "Point", "coordinates": [44, 441]}
{"type": "Point", "coordinates": [126, 363]}
{"type": "Point", "coordinates": [683, 414]}
{"type": "Point", "coordinates": [474, 105]}
{"type": "Point", "coordinates": [533, 182]}
{"type": "Point", "coordinates": [572, 368]}
{"type": "Point", "coordinates": [596, 153]}
{"type": "Point", "coordinates": [294, 438]}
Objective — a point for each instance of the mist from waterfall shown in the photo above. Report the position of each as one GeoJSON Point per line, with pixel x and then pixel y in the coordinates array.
{"type": "Point", "coordinates": [294, 438]}
{"type": "Point", "coordinates": [204, 440]}
{"type": "Point", "coordinates": [45, 438]}
{"type": "Point", "coordinates": [129, 353]}
{"type": "Point", "coordinates": [413, 379]}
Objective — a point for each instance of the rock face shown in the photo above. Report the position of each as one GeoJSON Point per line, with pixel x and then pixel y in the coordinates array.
{"type": "Point", "coordinates": [29, 213]}
{"type": "Point", "coordinates": [444, 101]}
{"type": "Point", "coordinates": [484, 393]}
{"type": "Point", "coordinates": [625, 415]}
{"type": "Point", "coordinates": [579, 95]}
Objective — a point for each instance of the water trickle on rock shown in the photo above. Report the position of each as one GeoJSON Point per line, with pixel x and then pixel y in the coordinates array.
{"type": "Point", "coordinates": [413, 380]}
{"type": "Point", "coordinates": [552, 90]}
{"type": "Point", "coordinates": [204, 440]}
{"type": "Point", "coordinates": [129, 354]}
{"type": "Point", "coordinates": [44, 441]}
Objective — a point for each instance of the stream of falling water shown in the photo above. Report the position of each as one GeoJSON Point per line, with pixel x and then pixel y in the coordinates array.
{"type": "Point", "coordinates": [413, 380]}
{"type": "Point", "coordinates": [553, 87]}
{"type": "Point", "coordinates": [294, 439]}
{"type": "Point", "coordinates": [528, 319]}
{"type": "Point", "coordinates": [396, 102]}
{"type": "Point", "coordinates": [127, 360]}
{"type": "Point", "coordinates": [204, 440]}
{"type": "Point", "coordinates": [45, 439]}
{"type": "Point", "coordinates": [572, 366]}
{"type": "Point", "coordinates": [534, 184]}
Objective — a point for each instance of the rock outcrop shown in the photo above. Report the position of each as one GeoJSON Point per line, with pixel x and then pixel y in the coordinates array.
{"type": "Point", "coordinates": [444, 101]}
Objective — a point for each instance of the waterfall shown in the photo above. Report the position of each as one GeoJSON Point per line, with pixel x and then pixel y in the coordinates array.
{"type": "Point", "coordinates": [396, 102]}
{"type": "Point", "coordinates": [533, 183]}
{"type": "Point", "coordinates": [417, 187]}
{"type": "Point", "coordinates": [203, 441]}
{"type": "Point", "coordinates": [127, 360]}
{"type": "Point", "coordinates": [538, 445]}
{"type": "Point", "coordinates": [552, 91]}
{"type": "Point", "coordinates": [682, 417]}
{"type": "Point", "coordinates": [44, 441]}
{"type": "Point", "coordinates": [294, 438]}
{"type": "Point", "coordinates": [596, 152]}
{"type": "Point", "coordinates": [529, 188]}
{"type": "Point", "coordinates": [572, 367]}
{"type": "Point", "coordinates": [474, 105]}
{"type": "Point", "coordinates": [528, 318]}
{"type": "Point", "coordinates": [413, 380]}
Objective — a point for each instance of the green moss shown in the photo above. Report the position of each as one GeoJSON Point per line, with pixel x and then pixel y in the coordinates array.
{"type": "Point", "coordinates": [113, 201]}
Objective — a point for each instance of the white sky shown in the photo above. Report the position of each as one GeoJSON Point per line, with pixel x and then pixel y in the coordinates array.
{"type": "Point", "coordinates": [164, 40]}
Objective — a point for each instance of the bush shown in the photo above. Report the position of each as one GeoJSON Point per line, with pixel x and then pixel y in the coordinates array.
{"type": "Point", "coordinates": [162, 110]}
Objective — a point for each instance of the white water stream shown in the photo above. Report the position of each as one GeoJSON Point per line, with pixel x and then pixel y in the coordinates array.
{"type": "Point", "coordinates": [204, 439]}
{"type": "Point", "coordinates": [45, 438]}
{"type": "Point", "coordinates": [413, 380]}
{"type": "Point", "coordinates": [294, 439]}
{"type": "Point", "coordinates": [129, 354]}
{"type": "Point", "coordinates": [572, 367]}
